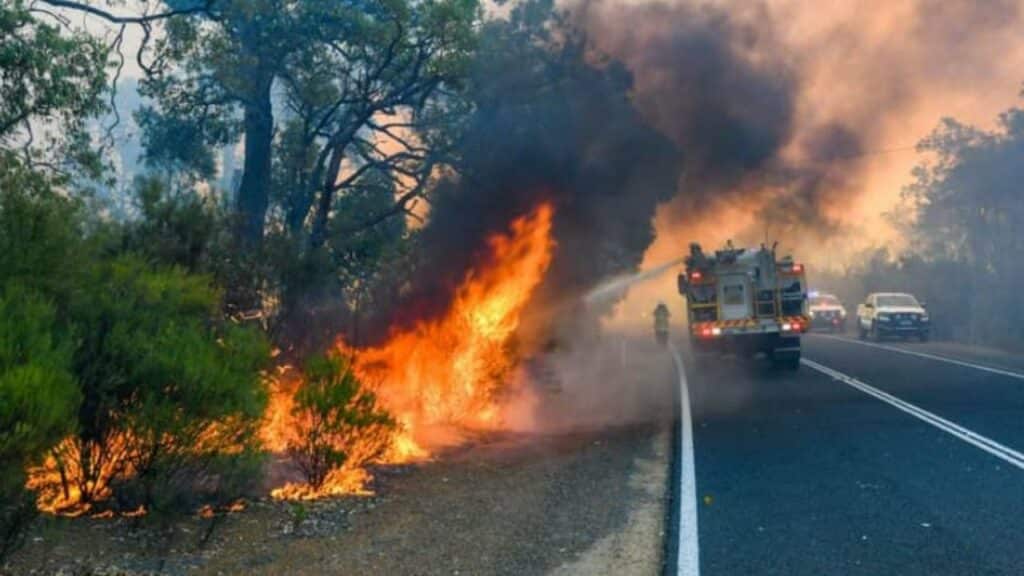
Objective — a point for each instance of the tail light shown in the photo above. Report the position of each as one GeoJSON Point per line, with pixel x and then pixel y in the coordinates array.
{"type": "Point", "coordinates": [708, 331]}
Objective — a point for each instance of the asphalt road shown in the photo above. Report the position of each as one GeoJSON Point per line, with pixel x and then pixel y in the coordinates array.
{"type": "Point", "coordinates": [804, 473]}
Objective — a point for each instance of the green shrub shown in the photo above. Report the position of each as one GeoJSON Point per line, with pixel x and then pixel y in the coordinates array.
{"type": "Point", "coordinates": [195, 413]}
{"type": "Point", "coordinates": [339, 421]}
{"type": "Point", "coordinates": [38, 399]}
{"type": "Point", "coordinates": [171, 398]}
{"type": "Point", "coordinates": [40, 234]}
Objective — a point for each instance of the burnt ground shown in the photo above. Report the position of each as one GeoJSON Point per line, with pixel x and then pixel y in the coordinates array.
{"type": "Point", "coordinates": [585, 495]}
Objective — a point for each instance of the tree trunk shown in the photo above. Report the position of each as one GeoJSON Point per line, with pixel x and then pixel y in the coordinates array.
{"type": "Point", "coordinates": [254, 191]}
{"type": "Point", "coordinates": [322, 213]}
{"type": "Point", "coordinates": [302, 200]}
{"type": "Point", "coordinates": [339, 143]}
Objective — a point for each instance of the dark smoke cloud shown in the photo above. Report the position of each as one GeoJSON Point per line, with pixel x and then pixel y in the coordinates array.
{"type": "Point", "coordinates": [707, 82]}
{"type": "Point", "coordinates": [722, 86]}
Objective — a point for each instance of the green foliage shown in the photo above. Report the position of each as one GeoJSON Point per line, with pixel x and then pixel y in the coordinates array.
{"type": "Point", "coordinates": [340, 423]}
{"type": "Point", "coordinates": [37, 400]}
{"type": "Point", "coordinates": [163, 392]}
{"type": "Point", "coordinates": [180, 229]}
{"type": "Point", "coordinates": [167, 392]}
{"type": "Point", "coordinates": [344, 75]}
{"type": "Point", "coordinates": [175, 144]}
{"type": "Point", "coordinates": [197, 409]}
{"type": "Point", "coordinates": [40, 231]}
{"type": "Point", "coordinates": [333, 289]}
{"type": "Point", "coordinates": [48, 75]}
{"type": "Point", "coordinates": [37, 392]}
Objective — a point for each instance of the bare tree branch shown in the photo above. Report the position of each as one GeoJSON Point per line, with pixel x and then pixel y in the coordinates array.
{"type": "Point", "coordinates": [399, 139]}
{"type": "Point", "coordinates": [63, 20]}
{"type": "Point", "coordinates": [120, 19]}
{"type": "Point", "coordinates": [401, 206]}
{"type": "Point", "coordinates": [115, 46]}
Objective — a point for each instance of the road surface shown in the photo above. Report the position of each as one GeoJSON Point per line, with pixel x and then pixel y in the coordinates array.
{"type": "Point", "coordinates": [892, 458]}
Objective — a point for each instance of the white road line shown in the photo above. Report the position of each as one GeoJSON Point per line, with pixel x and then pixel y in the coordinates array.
{"type": "Point", "coordinates": [994, 448]}
{"type": "Point", "coordinates": [689, 551]}
{"type": "Point", "coordinates": [981, 367]}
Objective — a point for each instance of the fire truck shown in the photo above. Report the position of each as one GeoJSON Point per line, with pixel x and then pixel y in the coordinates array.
{"type": "Point", "coordinates": [745, 301]}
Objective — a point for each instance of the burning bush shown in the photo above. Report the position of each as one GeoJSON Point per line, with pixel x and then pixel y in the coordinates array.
{"type": "Point", "coordinates": [169, 398]}
{"type": "Point", "coordinates": [435, 381]}
{"type": "Point", "coordinates": [339, 428]}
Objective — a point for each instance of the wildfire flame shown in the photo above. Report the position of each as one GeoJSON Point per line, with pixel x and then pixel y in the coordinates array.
{"type": "Point", "coordinates": [438, 379]}
{"type": "Point", "coordinates": [60, 480]}
{"type": "Point", "coordinates": [447, 373]}
{"type": "Point", "coordinates": [443, 376]}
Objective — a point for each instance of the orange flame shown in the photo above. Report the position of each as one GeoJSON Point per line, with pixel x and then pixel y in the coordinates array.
{"type": "Point", "coordinates": [64, 487]}
{"type": "Point", "coordinates": [444, 376]}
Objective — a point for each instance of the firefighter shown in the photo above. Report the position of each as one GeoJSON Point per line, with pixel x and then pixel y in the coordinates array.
{"type": "Point", "coordinates": [661, 323]}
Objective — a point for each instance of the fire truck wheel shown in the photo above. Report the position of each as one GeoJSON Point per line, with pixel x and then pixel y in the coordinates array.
{"type": "Point", "coordinates": [786, 362]}
{"type": "Point", "coordinates": [785, 359]}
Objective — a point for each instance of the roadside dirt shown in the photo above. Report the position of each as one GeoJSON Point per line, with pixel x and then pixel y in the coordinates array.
{"type": "Point", "coordinates": [505, 506]}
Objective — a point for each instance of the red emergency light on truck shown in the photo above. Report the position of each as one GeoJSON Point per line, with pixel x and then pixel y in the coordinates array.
{"type": "Point", "coordinates": [747, 301]}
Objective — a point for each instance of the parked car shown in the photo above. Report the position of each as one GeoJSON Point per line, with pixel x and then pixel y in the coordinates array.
{"type": "Point", "coordinates": [892, 314]}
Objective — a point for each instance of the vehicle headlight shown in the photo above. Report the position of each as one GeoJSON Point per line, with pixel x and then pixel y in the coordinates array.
{"type": "Point", "coordinates": [925, 318]}
{"type": "Point", "coordinates": [882, 318]}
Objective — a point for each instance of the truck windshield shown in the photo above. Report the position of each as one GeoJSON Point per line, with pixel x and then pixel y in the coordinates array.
{"type": "Point", "coordinates": [897, 300]}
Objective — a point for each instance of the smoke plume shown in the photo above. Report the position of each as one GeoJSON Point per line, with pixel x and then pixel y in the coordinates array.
{"type": "Point", "coordinates": [720, 82]}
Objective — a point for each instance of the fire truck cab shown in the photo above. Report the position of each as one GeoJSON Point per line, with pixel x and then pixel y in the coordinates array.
{"type": "Point", "coordinates": [745, 301]}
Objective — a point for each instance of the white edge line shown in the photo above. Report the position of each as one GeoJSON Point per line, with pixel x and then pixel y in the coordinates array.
{"type": "Point", "coordinates": [981, 367]}
{"type": "Point", "coordinates": [689, 550]}
{"type": "Point", "coordinates": [994, 448]}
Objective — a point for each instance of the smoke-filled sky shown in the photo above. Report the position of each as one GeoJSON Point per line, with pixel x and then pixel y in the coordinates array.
{"type": "Point", "coordinates": [827, 99]}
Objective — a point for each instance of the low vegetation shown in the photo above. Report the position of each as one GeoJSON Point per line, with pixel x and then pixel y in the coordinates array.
{"type": "Point", "coordinates": [340, 424]}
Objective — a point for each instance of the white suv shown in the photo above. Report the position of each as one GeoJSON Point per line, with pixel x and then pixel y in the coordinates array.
{"type": "Point", "coordinates": [892, 314]}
